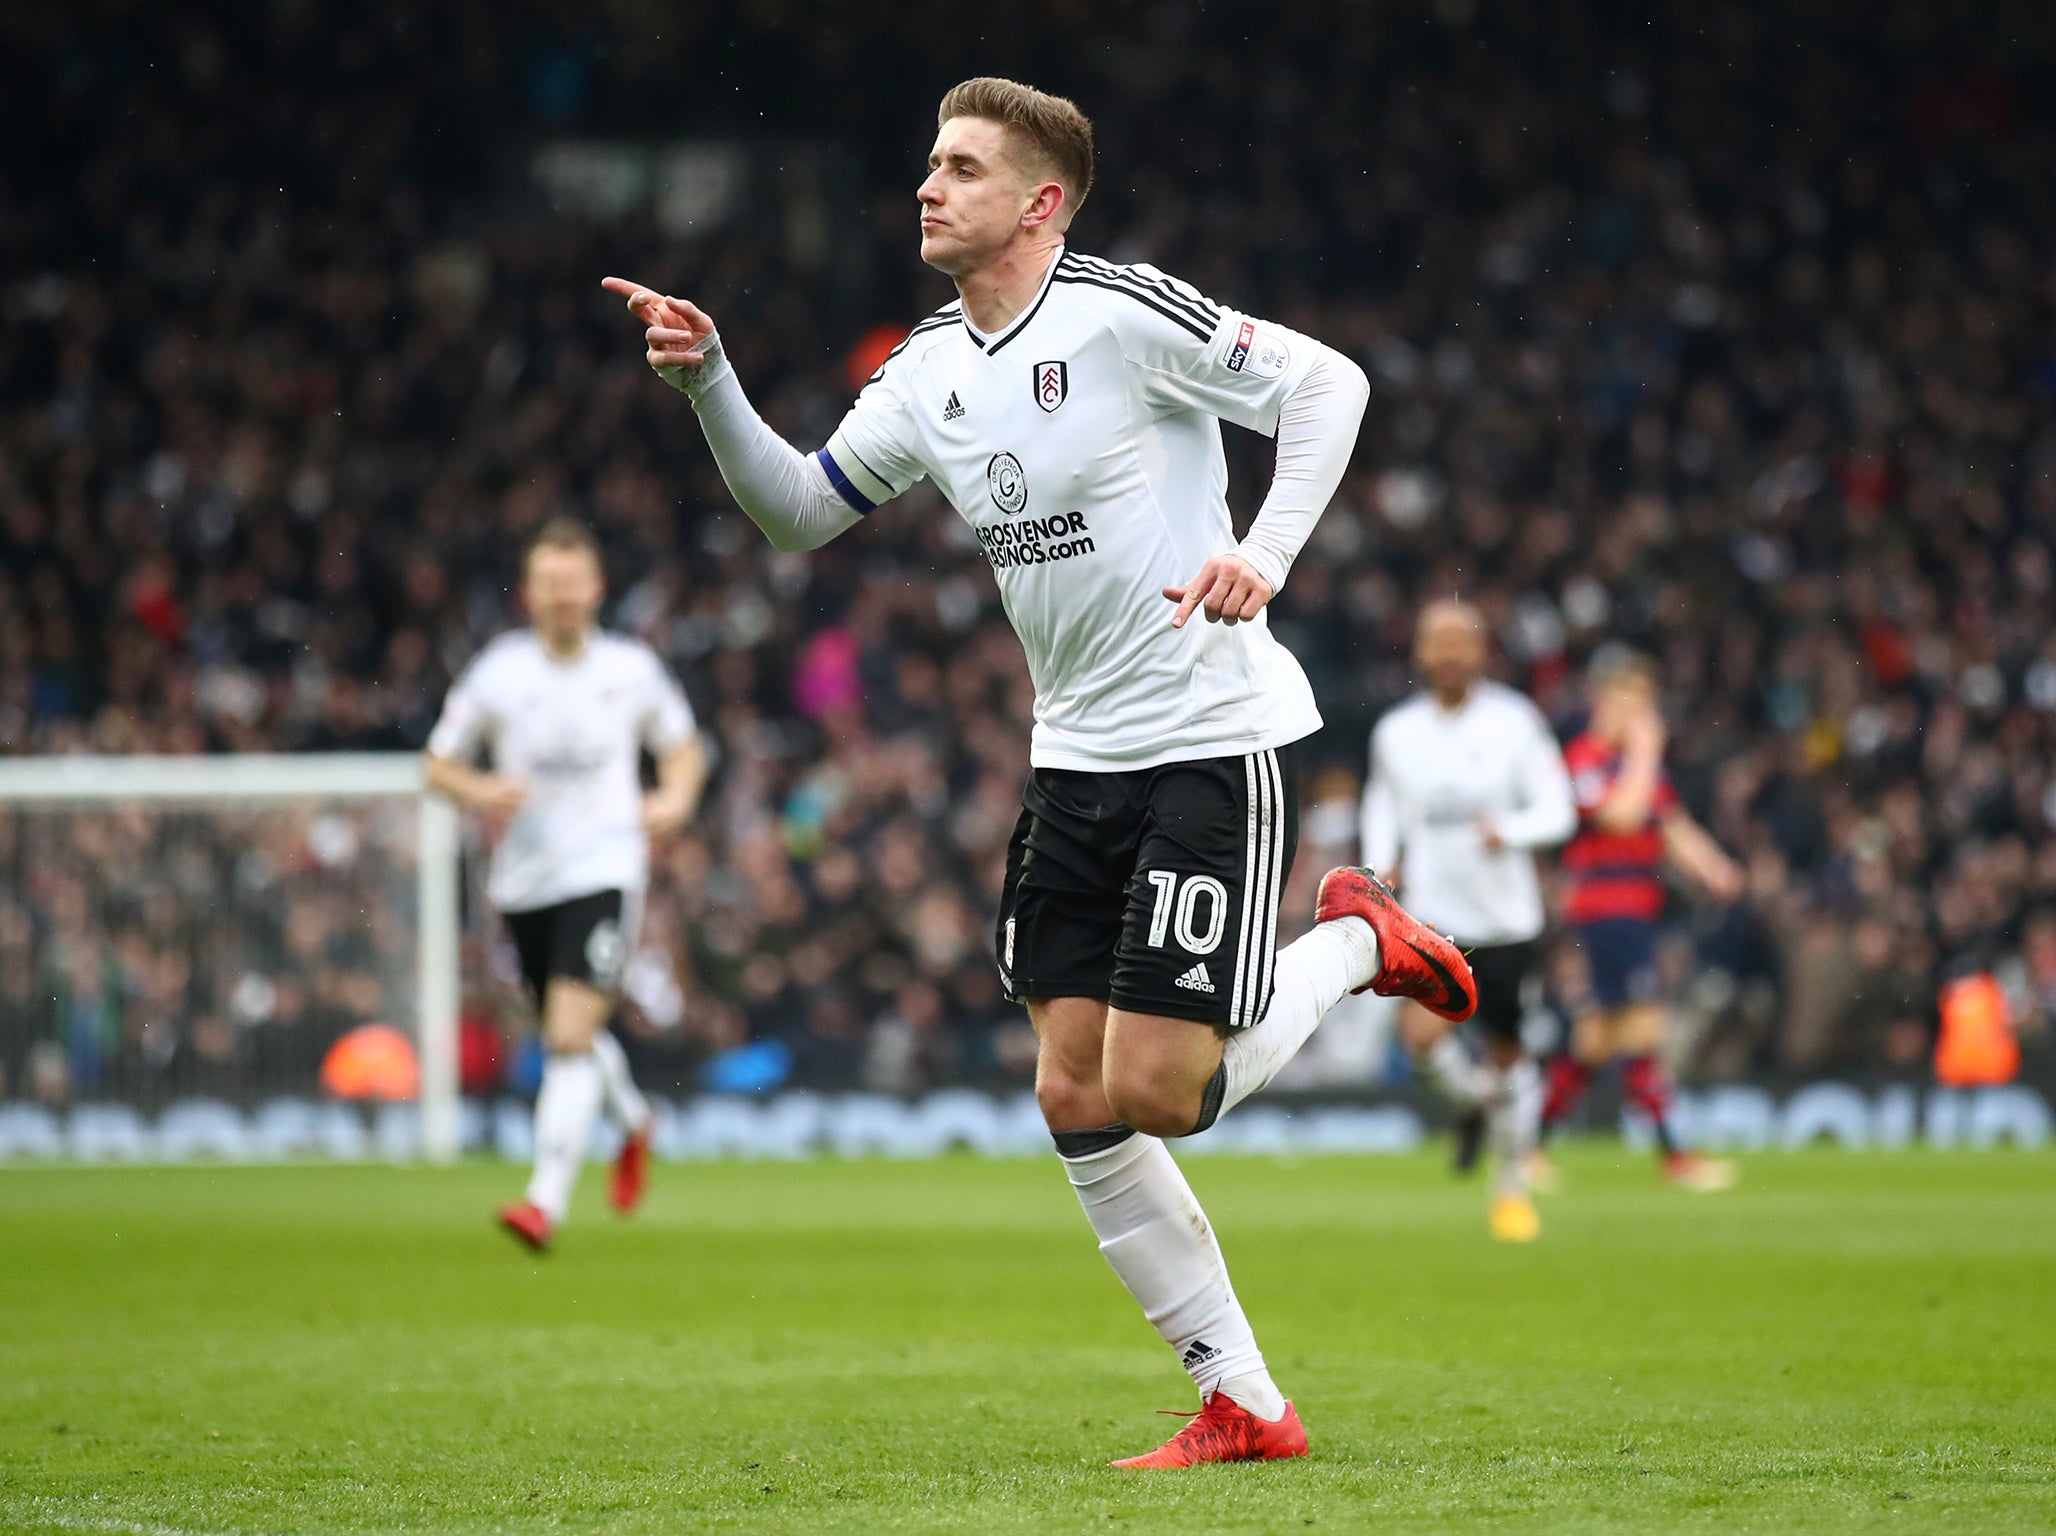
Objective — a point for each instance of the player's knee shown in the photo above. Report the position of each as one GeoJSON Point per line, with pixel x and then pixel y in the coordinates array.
{"type": "Point", "coordinates": [1067, 1103]}
{"type": "Point", "coordinates": [569, 1032]}
{"type": "Point", "coordinates": [1150, 1105]}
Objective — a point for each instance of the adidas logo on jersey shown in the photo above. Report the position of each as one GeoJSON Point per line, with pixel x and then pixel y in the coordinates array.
{"type": "Point", "coordinates": [1196, 980]}
{"type": "Point", "coordinates": [952, 408]}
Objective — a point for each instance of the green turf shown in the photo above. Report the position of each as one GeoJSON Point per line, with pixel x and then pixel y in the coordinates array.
{"type": "Point", "coordinates": [1845, 1343]}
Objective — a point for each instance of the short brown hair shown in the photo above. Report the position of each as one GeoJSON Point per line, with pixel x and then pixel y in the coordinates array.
{"type": "Point", "coordinates": [1614, 663]}
{"type": "Point", "coordinates": [1057, 135]}
{"type": "Point", "coordinates": [562, 533]}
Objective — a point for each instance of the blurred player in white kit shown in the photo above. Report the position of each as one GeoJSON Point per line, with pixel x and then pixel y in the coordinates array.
{"type": "Point", "coordinates": [565, 709]}
{"type": "Point", "coordinates": [1466, 783]}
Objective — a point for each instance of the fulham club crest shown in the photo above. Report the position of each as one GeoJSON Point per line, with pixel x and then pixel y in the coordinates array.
{"type": "Point", "coordinates": [1052, 384]}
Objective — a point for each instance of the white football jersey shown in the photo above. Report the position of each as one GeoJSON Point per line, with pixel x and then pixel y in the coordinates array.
{"type": "Point", "coordinates": [1437, 775]}
{"type": "Point", "coordinates": [571, 731]}
{"type": "Point", "coordinates": [1083, 443]}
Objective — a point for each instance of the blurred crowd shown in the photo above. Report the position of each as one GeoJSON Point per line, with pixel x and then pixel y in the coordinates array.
{"type": "Point", "coordinates": [1725, 330]}
{"type": "Point", "coordinates": [147, 953]}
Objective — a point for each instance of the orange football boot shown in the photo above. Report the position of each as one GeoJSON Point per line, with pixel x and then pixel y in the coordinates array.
{"type": "Point", "coordinates": [631, 1171]}
{"type": "Point", "coordinates": [1225, 1431]}
{"type": "Point", "coordinates": [528, 1223]}
{"type": "Point", "coordinates": [1414, 960]}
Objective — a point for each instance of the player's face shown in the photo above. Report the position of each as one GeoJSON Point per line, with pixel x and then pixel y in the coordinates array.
{"type": "Point", "coordinates": [562, 588]}
{"type": "Point", "coordinates": [973, 199]}
{"type": "Point", "coordinates": [1450, 651]}
{"type": "Point", "coordinates": [1620, 701]}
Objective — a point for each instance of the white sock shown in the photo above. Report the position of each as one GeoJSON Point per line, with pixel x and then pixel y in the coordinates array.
{"type": "Point", "coordinates": [564, 1113]}
{"type": "Point", "coordinates": [1514, 1122]}
{"type": "Point", "coordinates": [623, 1099]}
{"type": "Point", "coordinates": [1159, 1242]}
{"type": "Point", "coordinates": [1314, 973]}
{"type": "Point", "coordinates": [1454, 1073]}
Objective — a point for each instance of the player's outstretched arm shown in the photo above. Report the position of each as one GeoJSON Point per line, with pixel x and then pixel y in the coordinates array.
{"type": "Point", "coordinates": [784, 491]}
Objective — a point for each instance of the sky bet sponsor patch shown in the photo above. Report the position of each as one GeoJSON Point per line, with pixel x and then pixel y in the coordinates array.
{"type": "Point", "coordinates": [1239, 353]}
{"type": "Point", "coordinates": [1264, 357]}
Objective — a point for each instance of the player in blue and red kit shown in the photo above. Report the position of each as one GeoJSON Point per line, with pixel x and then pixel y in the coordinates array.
{"type": "Point", "coordinates": [1630, 825]}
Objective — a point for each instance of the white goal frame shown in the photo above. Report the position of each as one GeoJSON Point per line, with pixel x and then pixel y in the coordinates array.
{"type": "Point", "coordinates": [278, 777]}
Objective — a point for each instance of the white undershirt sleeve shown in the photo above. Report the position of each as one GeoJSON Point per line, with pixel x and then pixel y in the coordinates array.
{"type": "Point", "coordinates": [1317, 426]}
{"type": "Point", "coordinates": [785, 492]}
{"type": "Point", "coordinates": [1549, 814]}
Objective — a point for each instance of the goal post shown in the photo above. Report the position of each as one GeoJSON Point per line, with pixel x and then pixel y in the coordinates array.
{"type": "Point", "coordinates": [238, 787]}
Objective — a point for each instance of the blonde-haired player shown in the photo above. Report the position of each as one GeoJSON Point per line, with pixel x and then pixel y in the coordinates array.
{"type": "Point", "coordinates": [1069, 409]}
{"type": "Point", "coordinates": [565, 709]}
{"type": "Point", "coordinates": [1630, 824]}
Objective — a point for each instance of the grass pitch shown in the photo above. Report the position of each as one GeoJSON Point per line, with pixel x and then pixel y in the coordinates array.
{"type": "Point", "coordinates": [1846, 1343]}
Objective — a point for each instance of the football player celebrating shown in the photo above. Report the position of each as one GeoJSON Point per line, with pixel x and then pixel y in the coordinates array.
{"type": "Point", "coordinates": [564, 709]}
{"type": "Point", "coordinates": [1069, 409]}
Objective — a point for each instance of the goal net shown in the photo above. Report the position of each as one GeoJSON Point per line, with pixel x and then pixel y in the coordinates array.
{"type": "Point", "coordinates": [230, 956]}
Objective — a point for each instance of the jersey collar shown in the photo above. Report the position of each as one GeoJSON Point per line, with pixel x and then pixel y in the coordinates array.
{"type": "Point", "coordinates": [991, 344]}
{"type": "Point", "coordinates": [585, 647]}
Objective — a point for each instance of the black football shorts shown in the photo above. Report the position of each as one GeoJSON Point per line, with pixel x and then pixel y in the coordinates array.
{"type": "Point", "coordinates": [586, 939]}
{"type": "Point", "coordinates": [1505, 974]}
{"type": "Point", "coordinates": [1155, 889]}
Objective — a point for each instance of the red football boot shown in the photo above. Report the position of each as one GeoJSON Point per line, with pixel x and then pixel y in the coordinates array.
{"type": "Point", "coordinates": [528, 1223]}
{"type": "Point", "coordinates": [1415, 961]}
{"type": "Point", "coordinates": [1706, 1175]}
{"type": "Point", "coordinates": [1225, 1431]}
{"type": "Point", "coordinates": [631, 1171]}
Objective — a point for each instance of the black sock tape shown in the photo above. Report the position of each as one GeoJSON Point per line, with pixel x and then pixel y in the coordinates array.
{"type": "Point", "coordinates": [1100, 1138]}
{"type": "Point", "coordinates": [1210, 1101]}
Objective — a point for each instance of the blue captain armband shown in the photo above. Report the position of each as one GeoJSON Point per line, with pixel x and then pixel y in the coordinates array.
{"type": "Point", "coordinates": [855, 481]}
{"type": "Point", "coordinates": [844, 486]}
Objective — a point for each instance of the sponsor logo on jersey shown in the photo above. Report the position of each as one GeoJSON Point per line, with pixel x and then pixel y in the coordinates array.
{"type": "Point", "coordinates": [567, 761]}
{"type": "Point", "coordinates": [1265, 358]}
{"type": "Point", "coordinates": [1239, 353]}
{"type": "Point", "coordinates": [1008, 484]}
{"type": "Point", "coordinates": [1052, 384]}
{"type": "Point", "coordinates": [1196, 980]}
{"type": "Point", "coordinates": [952, 408]}
{"type": "Point", "coordinates": [1036, 540]}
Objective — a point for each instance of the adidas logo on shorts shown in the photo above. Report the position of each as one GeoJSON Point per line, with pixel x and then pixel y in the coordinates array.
{"type": "Point", "coordinates": [1196, 980]}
